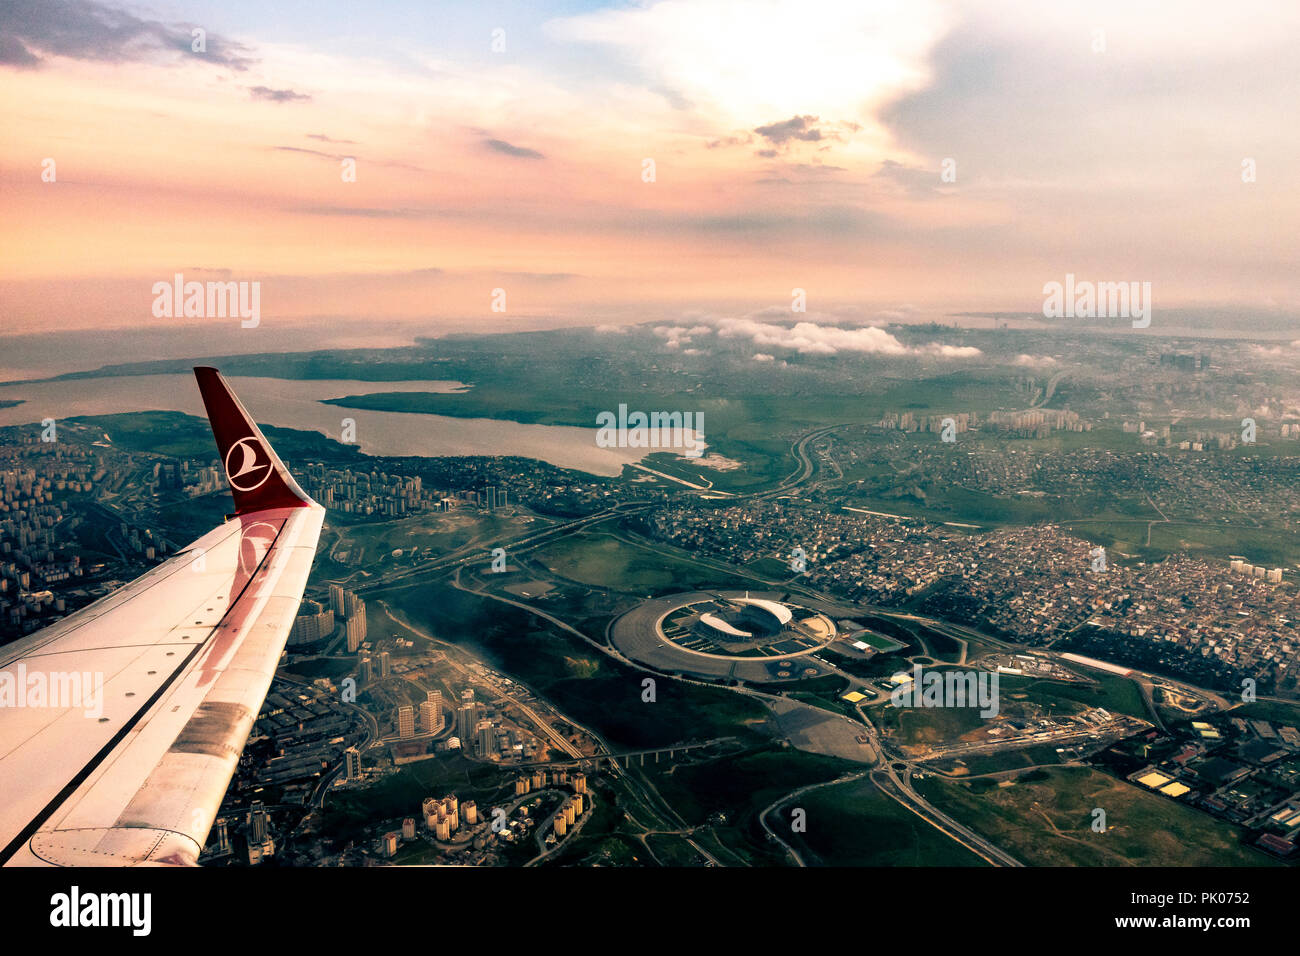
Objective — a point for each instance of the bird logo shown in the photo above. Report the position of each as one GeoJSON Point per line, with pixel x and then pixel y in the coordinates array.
{"type": "Point", "coordinates": [248, 465]}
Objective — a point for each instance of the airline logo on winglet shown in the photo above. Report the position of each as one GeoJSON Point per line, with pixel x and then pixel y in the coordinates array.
{"type": "Point", "coordinates": [258, 479]}
{"type": "Point", "coordinates": [247, 464]}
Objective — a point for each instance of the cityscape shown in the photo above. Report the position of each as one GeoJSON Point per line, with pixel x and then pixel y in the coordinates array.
{"type": "Point", "coordinates": [472, 675]}
{"type": "Point", "coordinates": [675, 445]}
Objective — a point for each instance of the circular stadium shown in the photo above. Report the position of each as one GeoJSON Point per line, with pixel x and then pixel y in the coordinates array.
{"type": "Point", "coordinates": [740, 635]}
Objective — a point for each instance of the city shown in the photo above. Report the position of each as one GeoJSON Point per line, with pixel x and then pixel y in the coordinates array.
{"type": "Point", "coordinates": [681, 447]}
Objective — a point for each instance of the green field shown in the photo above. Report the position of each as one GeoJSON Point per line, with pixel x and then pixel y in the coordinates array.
{"type": "Point", "coordinates": [1119, 695]}
{"type": "Point", "coordinates": [854, 824]}
{"type": "Point", "coordinates": [739, 787]}
{"type": "Point", "coordinates": [881, 642]}
{"type": "Point", "coordinates": [605, 561]}
{"type": "Point", "coordinates": [1023, 758]}
{"type": "Point", "coordinates": [1202, 539]}
{"type": "Point", "coordinates": [1277, 711]}
{"type": "Point", "coordinates": [1047, 822]}
{"type": "Point", "coordinates": [370, 545]}
{"type": "Point", "coordinates": [931, 725]}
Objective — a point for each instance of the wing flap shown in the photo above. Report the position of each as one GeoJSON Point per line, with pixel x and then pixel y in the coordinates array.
{"type": "Point", "coordinates": [136, 846]}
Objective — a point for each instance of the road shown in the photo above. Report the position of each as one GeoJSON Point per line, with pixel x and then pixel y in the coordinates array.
{"type": "Point", "coordinates": [901, 790]}
{"type": "Point", "coordinates": [795, 795]}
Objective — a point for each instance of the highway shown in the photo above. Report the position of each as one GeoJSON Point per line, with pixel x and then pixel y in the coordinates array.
{"type": "Point", "coordinates": [901, 790]}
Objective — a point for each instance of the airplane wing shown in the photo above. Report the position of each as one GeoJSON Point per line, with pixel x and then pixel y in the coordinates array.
{"type": "Point", "coordinates": [120, 726]}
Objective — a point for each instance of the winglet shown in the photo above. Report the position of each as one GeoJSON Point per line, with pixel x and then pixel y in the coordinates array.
{"type": "Point", "coordinates": [258, 479]}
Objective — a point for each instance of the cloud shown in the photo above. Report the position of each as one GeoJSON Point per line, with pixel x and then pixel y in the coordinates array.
{"type": "Point", "coordinates": [277, 96]}
{"type": "Point", "coordinates": [1013, 80]}
{"type": "Point", "coordinates": [764, 357]}
{"type": "Point", "coordinates": [32, 30]}
{"type": "Point", "coordinates": [948, 351]}
{"type": "Point", "coordinates": [796, 127]}
{"type": "Point", "coordinates": [367, 212]}
{"type": "Point", "coordinates": [785, 58]}
{"type": "Point", "coordinates": [675, 336]}
{"type": "Point", "coordinates": [1275, 351]}
{"type": "Point", "coordinates": [539, 276]}
{"type": "Point", "coordinates": [1034, 361]}
{"type": "Point", "coordinates": [303, 149]}
{"type": "Point", "coordinates": [674, 98]}
{"type": "Point", "coordinates": [810, 338]}
{"type": "Point", "coordinates": [729, 141]}
{"type": "Point", "coordinates": [328, 139]}
{"type": "Point", "coordinates": [14, 53]}
{"type": "Point", "coordinates": [913, 181]}
{"type": "Point", "coordinates": [509, 149]}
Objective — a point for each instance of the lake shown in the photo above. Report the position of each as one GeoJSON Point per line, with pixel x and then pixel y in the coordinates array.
{"type": "Point", "coordinates": [298, 404]}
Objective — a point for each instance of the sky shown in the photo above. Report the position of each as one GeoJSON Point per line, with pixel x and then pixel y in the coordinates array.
{"type": "Point", "coordinates": [506, 146]}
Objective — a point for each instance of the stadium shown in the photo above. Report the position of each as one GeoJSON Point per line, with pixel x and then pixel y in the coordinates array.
{"type": "Point", "coordinates": [735, 635]}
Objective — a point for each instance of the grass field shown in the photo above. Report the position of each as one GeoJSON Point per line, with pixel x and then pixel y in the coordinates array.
{"type": "Point", "coordinates": [1203, 539]}
{"type": "Point", "coordinates": [605, 561]}
{"type": "Point", "coordinates": [1283, 713]}
{"type": "Point", "coordinates": [1047, 822]}
{"type": "Point", "coordinates": [1119, 695]}
{"type": "Point", "coordinates": [854, 824]}
{"type": "Point", "coordinates": [370, 545]}
{"type": "Point", "coordinates": [932, 725]}
{"type": "Point", "coordinates": [739, 787]}
{"type": "Point", "coordinates": [1023, 758]}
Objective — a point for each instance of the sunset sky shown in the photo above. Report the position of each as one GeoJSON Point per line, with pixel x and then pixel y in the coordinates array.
{"type": "Point", "coordinates": [796, 144]}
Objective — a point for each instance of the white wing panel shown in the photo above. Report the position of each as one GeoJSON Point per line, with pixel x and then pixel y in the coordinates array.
{"type": "Point", "coordinates": [186, 659]}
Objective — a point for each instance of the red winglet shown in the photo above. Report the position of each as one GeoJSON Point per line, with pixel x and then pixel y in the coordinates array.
{"type": "Point", "coordinates": [258, 479]}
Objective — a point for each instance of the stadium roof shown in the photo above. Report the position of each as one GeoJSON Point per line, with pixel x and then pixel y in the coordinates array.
{"type": "Point", "coordinates": [778, 610]}
{"type": "Point", "coordinates": [717, 623]}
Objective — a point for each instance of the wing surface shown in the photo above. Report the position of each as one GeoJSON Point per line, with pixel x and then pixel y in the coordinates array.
{"type": "Point", "coordinates": [121, 725]}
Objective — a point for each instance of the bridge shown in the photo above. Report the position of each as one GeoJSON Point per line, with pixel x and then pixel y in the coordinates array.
{"type": "Point", "coordinates": [626, 756]}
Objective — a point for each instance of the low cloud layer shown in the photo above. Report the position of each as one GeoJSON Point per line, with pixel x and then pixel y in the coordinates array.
{"type": "Point", "coordinates": [810, 338]}
{"type": "Point", "coordinates": [805, 338]}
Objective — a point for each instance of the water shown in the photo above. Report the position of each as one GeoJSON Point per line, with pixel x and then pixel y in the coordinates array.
{"type": "Point", "coordinates": [298, 404]}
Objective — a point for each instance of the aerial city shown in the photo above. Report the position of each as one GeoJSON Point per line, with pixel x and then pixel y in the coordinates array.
{"type": "Point", "coordinates": [656, 435]}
